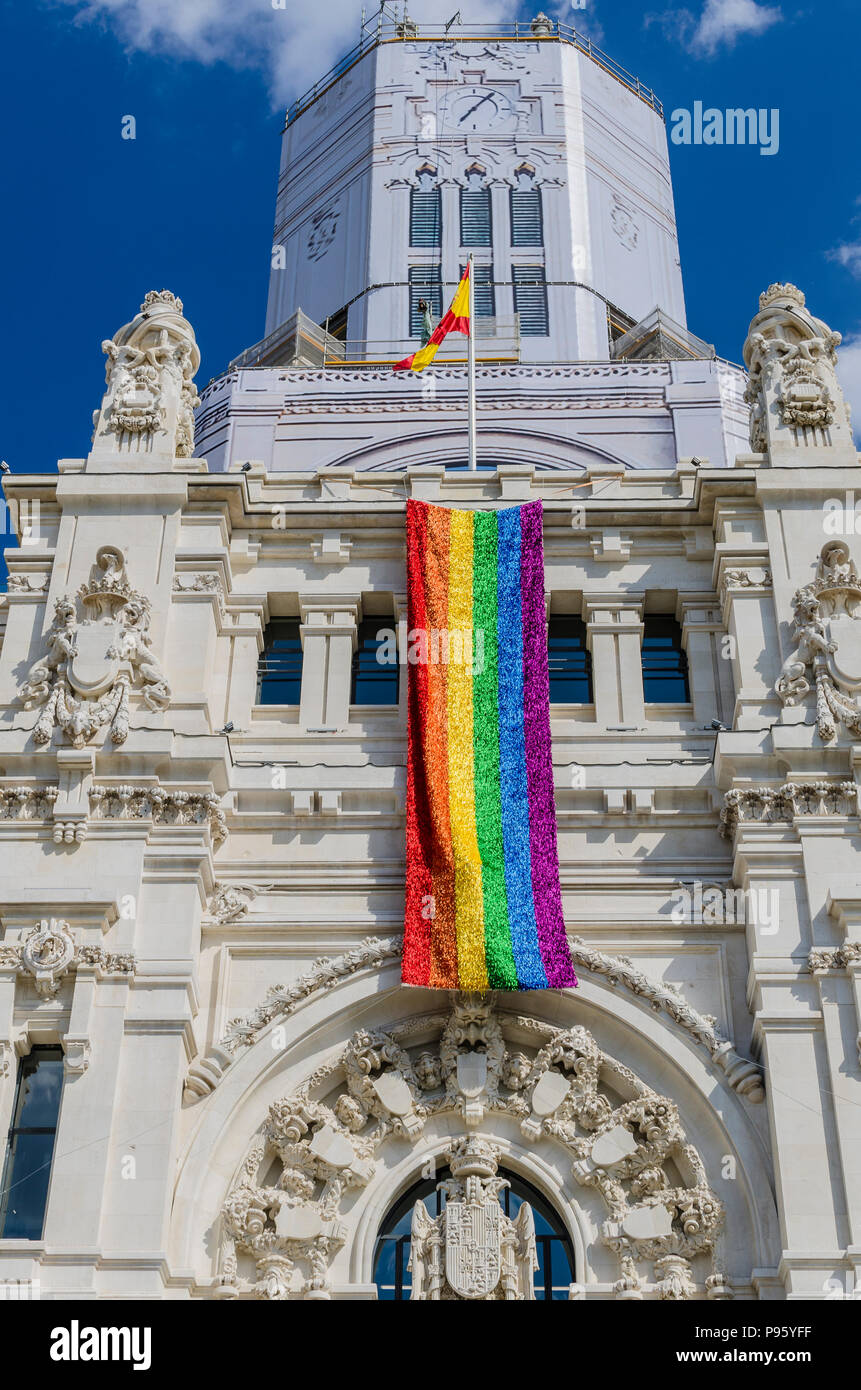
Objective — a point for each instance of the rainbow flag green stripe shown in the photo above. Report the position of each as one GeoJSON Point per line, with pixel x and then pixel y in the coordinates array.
{"type": "Point", "coordinates": [483, 903]}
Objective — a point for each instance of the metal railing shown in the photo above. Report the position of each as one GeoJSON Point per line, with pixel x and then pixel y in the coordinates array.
{"type": "Point", "coordinates": [299, 340]}
{"type": "Point", "coordinates": [385, 28]}
{"type": "Point", "coordinates": [496, 340]}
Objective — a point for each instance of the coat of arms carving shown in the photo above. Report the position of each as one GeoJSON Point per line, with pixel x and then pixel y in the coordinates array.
{"type": "Point", "coordinates": [98, 649]}
{"type": "Point", "coordinates": [487, 1255]}
{"type": "Point", "coordinates": [827, 649]}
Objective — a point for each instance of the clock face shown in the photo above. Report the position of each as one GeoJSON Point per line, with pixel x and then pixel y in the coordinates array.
{"type": "Point", "coordinates": [477, 109]}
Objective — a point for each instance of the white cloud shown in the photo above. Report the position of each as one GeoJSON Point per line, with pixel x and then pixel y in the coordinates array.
{"type": "Point", "coordinates": [721, 23]}
{"type": "Point", "coordinates": [848, 255]}
{"type": "Point", "coordinates": [849, 376]}
{"type": "Point", "coordinates": [293, 45]}
{"type": "Point", "coordinates": [724, 21]}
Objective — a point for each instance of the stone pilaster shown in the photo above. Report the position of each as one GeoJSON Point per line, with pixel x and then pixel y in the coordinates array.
{"type": "Point", "coordinates": [709, 668]}
{"type": "Point", "coordinates": [329, 636]}
{"type": "Point", "coordinates": [614, 636]}
{"type": "Point", "coordinates": [743, 581]}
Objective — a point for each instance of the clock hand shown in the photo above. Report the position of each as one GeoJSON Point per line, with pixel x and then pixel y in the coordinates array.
{"type": "Point", "coordinates": [475, 108]}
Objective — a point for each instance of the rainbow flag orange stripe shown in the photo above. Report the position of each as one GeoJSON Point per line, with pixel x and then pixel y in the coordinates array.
{"type": "Point", "coordinates": [483, 902]}
{"type": "Point", "coordinates": [455, 321]}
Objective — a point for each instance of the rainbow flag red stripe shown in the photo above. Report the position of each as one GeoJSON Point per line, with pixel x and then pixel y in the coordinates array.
{"type": "Point", "coordinates": [483, 902]}
{"type": "Point", "coordinates": [455, 321]}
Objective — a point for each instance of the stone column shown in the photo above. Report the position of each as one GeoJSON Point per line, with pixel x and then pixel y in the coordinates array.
{"type": "Point", "coordinates": [614, 635]}
{"type": "Point", "coordinates": [328, 633]}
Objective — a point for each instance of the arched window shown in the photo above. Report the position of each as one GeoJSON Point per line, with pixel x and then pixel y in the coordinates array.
{"type": "Point", "coordinates": [555, 1254]}
{"type": "Point", "coordinates": [279, 668]}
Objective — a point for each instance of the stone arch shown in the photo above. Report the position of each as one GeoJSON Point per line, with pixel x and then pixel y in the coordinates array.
{"type": "Point", "coordinates": [219, 1169]}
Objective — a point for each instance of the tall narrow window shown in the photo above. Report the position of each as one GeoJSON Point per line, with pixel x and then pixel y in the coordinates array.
{"type": "Point", "coordinates": [425, 212]}
{"type": "Point", "coordinates": [483, 290]}
{"type": "Point", "coordinates": [279, 668]}
{"type": "Point", "coordinates": [30, 1150]}
{"type": "Point", "coordinates": [665, 665]}
{"type": "Point", "coordinates": [527, 219]}
{"type": "Point", "coordinates": [530, 300]}
{"type": "Point", "coordinates": [425, 283]}
{"type": "Point", "coordinates": [375, 664]}
{"type": "Point", "coordinates": [476, 228]}
{"type": "Point", "coordinates": [570, 662]}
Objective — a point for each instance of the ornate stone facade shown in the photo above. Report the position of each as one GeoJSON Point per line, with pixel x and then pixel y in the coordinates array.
{"type": "Point", "coordinates": [217, 879]}
{"type": "Point", "coordinates": [558, 1087]}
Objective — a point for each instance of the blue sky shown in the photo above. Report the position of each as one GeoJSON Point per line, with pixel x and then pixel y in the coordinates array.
{"type": "Point", "coordinates": [92, 221]}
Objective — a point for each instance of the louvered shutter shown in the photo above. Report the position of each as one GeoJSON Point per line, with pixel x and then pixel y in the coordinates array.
{"type": "Point", "coordinates": [530, 300]}
{"type": "Point", "coordinates": [475, 217]}
{"type": "Point", "coordinates": [425, 217]}
{"type": "Point", "coordinates": [527, 222]}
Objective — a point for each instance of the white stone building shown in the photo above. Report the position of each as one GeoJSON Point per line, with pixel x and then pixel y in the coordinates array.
{"type": "Point", "coordinates": [213, 1083]}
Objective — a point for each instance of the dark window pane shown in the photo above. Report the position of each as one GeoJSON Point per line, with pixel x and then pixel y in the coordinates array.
{"type": "Point", "coordinates": [27, 1170]}
{"type": "Point", "coordinates": [375, 664]}
{"type": "Point", "coordinates": [279, 667]}
{"type": "Point", "coordinates": [475, 217]}
{"type": "Point", "coordinates": [425, 217]}
{"type": "Point", "coordinates": [39, 1089]}
{"type": "Point", "coordinates": [665, 665]}
{"type": "Point", "coordinates": [425, 283]}
{"type": "Point", "coordinates": [527, 223]}
{"type": "Point", "coordinates": [530, 300]}
{"type": "Point", "coordinates": [570, 663]}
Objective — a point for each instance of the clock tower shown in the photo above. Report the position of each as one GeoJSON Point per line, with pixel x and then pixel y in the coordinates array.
{"type": "Point", "coordinates": [534, 151]}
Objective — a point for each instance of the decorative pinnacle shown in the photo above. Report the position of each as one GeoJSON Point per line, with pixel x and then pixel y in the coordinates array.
{"type": "Point", "coordinates": [780, 291]}
{"type": "Point", "coordinates": [162, 298]}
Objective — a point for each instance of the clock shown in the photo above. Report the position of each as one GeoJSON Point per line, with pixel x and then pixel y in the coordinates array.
{"type": "Point", "coordinates": [478, 109]}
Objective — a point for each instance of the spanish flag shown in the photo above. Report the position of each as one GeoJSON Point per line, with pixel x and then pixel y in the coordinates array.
{"type": "Point", "coordinates": [455, 321]}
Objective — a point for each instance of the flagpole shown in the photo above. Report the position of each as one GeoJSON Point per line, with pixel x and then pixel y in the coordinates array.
{"type": "Point", "coordinates": [470, 371]}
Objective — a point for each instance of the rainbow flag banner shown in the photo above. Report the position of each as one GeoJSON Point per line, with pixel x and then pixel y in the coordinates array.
{"type": "Point", "coordinates": [483, 903]}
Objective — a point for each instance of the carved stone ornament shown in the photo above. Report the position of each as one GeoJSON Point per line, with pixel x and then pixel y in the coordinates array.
{"type": "Point", "coordinates": [150, 398]}
{"type": "Point", "coordinates": [282, 1218]}
{"type": "Point", "coordinates": [791, 359]}
{"type": "Point", "coordinates": [838, 958]}
{"type": "Point", "coordinates": [472, 1250]}
{"type": "Point", "coordinates": [50, 952]}
{"type": "Point", "coordinates": [94, 660]}
{"type": "Point", "coordinates": [827, 636]}
{"type": "Point", "coordinates": [47, 954]}
{"type": "Point", "coordinates": [162, 806]}
{"type": "Point", "coordinates": [205, 1074]}
{"type": "Point", "coordinates": [772, 805]}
